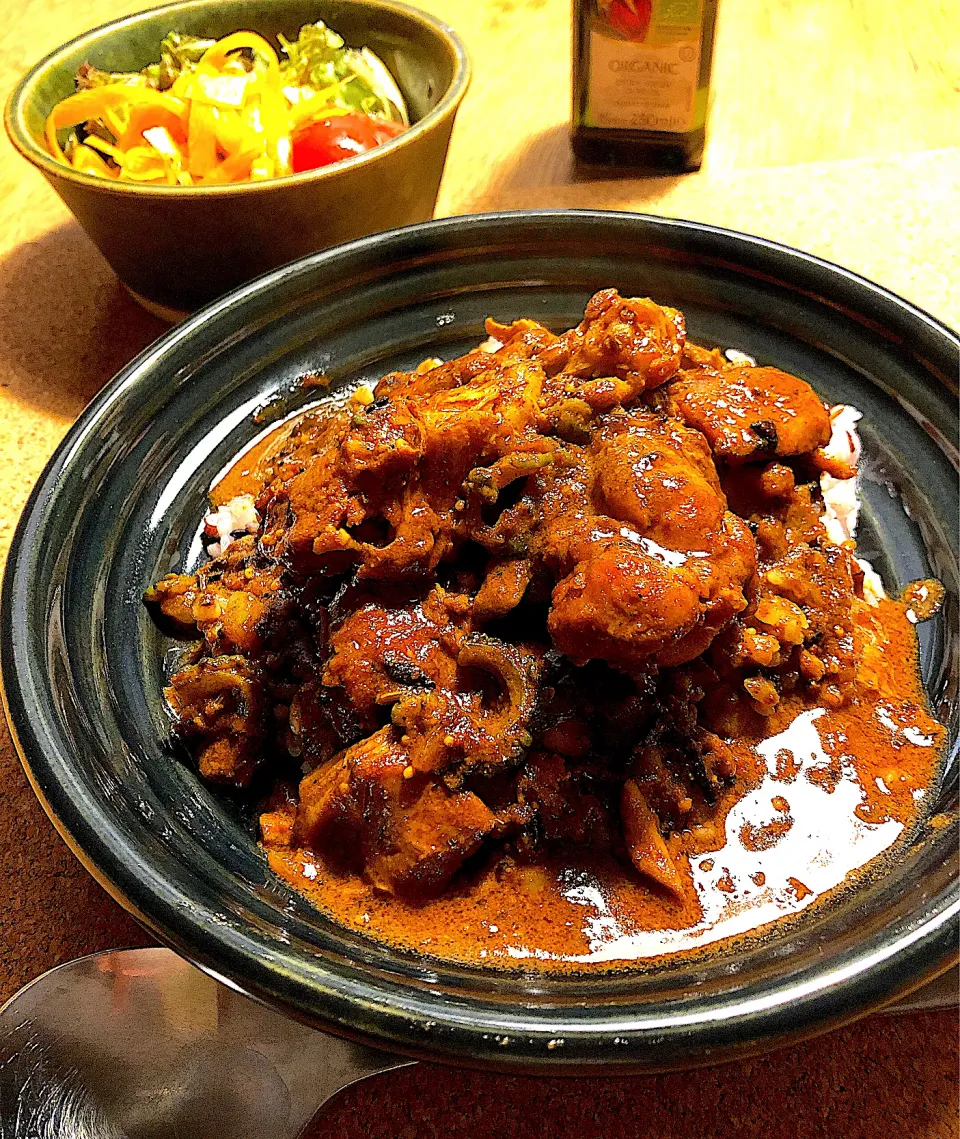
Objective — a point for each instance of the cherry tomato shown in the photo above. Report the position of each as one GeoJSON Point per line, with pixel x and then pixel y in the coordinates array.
{"type": "Point", "coordinates": [342, 136]}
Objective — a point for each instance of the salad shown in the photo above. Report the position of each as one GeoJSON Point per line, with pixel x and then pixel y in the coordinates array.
{"type": "Point", "coordinates": [212, 112]}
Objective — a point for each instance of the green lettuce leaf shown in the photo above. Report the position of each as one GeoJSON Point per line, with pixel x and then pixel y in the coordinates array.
{"type": "Point", "coordinates": [89, 76]}
{"type": "Point", "coordinates": [314, 59]}
{"type": "Point", "coordinates": [318, 60]}
{"type": "Point", "coordinates": [178, 53]}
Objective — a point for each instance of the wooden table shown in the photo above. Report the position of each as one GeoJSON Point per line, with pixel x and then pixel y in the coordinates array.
{"type": "Point", "coordinates": [835, 126]}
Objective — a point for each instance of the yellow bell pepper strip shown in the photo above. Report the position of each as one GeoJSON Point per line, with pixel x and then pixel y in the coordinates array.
{"type": "Point", "coordinates": [144, 164]}
{"type": "Point", "coordinates": [164, 143]}
{"type": "Point", "coordinates": [103, 147]}
{"type": "Point", "coordinates": [235, 168]}
{"type": "Point", "coordinates": [146, 117]}
{"type": "Point", "coordinates": [115, 119]}
{"type": "Point", "coordinates": [230, 130]}
{"type": "Point", "coordinates": [183, 86]}
{"type": "Point", "coordinates": [276, 125]}
{"type": "Point", "coordinates": [201, 140]}
{"type": "Point", "coordinates": [268, 85]}
{"type": "Point", "coordinates": [318, 106]}
{"type": "Point", "coordinates": [214, 58]}
{"type": "Point", "coordinates": [86, 159]}
{"type": "Point", "coordinates": [261, 168]}
{"type": "Point", "coordinates": [95, 103]}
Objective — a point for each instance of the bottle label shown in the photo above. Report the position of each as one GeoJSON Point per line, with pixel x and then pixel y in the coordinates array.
{"type": "Point", "coordinates": [645, 64]}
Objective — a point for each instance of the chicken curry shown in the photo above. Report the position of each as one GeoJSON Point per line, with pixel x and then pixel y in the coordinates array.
{"type": "Point", "coordinates": [552, 655]}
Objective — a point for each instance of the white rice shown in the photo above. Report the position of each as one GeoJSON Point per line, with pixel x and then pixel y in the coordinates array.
{"type": "Point", "coordinates": [841, 497]}
{"type": "Point", "coordinates": [234, 518]}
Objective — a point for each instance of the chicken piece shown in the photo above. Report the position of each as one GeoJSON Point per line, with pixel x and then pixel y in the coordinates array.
{"type": "Point", "coordinates": [330, 813]}
{"type": "Point", "coordinates": [382, 652]}
{"type": "Point", "coordinates": [425, 844]}
{"type": "Point", "coordinates": [365, 810]}
{"type": "Point", "coordinates": [469, 411]}
{"type": "Point", "coordinates": [225, 602]}
{"type": "Point", "coordinates": [522, 340]}
{"type": "Point", "coordinates": [622, 605]}
{"type": "Point", "coordinates": [424, 382]}
{"type": "Point", "coordinates": [632, 339]}
{"type": "Point", "coordinates": [173, 598]}
{"type": "Point", "coordinates": [463, 700]}
{"type": "Point", "coordinates": [502, 590]}
{"type": "Point", "coordinates": [632, 604]}
{"type": "Point", "coordinates": [356, 502]}
{"type": "Point", "coordinates": [659, 477]}
{"type": "Point", "coordinates": [694, 356]}
{"type": "Point", "coordinates": [316, 727]}
{"type": "Point", "coordinates": [384, 488]}
{"type": "Point", "coordinates": [563, 813]}
{"type": "Point", "coordinates": [519, 338]}
{"type": "Point", "coordinates": [750, 413]}
{"type": "Point", "coordinates": [758, 489]}
{"type": "Point", "coordinates": [220, 710]}
{"type": "Point", "coordinates": [312, 442]}
{"type": "Point", "coordinates": [649, 563]}
{"type": "Point", "coordinates": [681, 769]}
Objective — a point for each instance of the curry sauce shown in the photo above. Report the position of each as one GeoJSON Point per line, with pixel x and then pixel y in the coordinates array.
{"type": "Point", "coordinates": [827, 792]}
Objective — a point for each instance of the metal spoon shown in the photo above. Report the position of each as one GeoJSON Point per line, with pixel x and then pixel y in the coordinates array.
{"type": "Point", "coordinates": [138, 1044]}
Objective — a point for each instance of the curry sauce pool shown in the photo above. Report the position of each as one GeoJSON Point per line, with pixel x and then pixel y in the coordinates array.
{"type": "Point", "coordinates": [555, 654]}
{"type": "Point", "coordinates": [828, 793]}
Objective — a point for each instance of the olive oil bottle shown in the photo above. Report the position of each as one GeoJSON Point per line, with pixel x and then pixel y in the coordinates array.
{"type": "Point", "coordinates": [641, 77]}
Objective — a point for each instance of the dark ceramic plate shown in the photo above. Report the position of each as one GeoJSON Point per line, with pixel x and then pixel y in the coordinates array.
{"type": "Point", "coordinates": [119, 506]}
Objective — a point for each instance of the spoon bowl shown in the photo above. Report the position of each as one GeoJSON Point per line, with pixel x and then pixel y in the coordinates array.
{"type": "Point", "coordinates": [137, 1044]}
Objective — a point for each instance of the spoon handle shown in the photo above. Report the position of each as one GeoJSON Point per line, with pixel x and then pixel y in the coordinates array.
{"type": "Point", "coordinates": [138, 1044]}
{"type": "Point", "coordinates": [941, 993]}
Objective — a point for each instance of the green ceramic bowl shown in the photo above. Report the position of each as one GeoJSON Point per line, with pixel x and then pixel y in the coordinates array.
{"type": "Point", "coordinates": [178, 247]}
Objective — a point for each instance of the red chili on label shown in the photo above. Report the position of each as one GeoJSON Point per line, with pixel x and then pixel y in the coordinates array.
{"type": "Point", "coordinates": [631, 18]}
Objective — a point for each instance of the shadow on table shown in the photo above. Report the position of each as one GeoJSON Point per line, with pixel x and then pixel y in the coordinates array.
{"type": "Point", "coordinates": [51, 909]}
{"type": "Point", "coordinates": [69, 326]}
{"type": "Point", "coordinates": [543, 172]}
